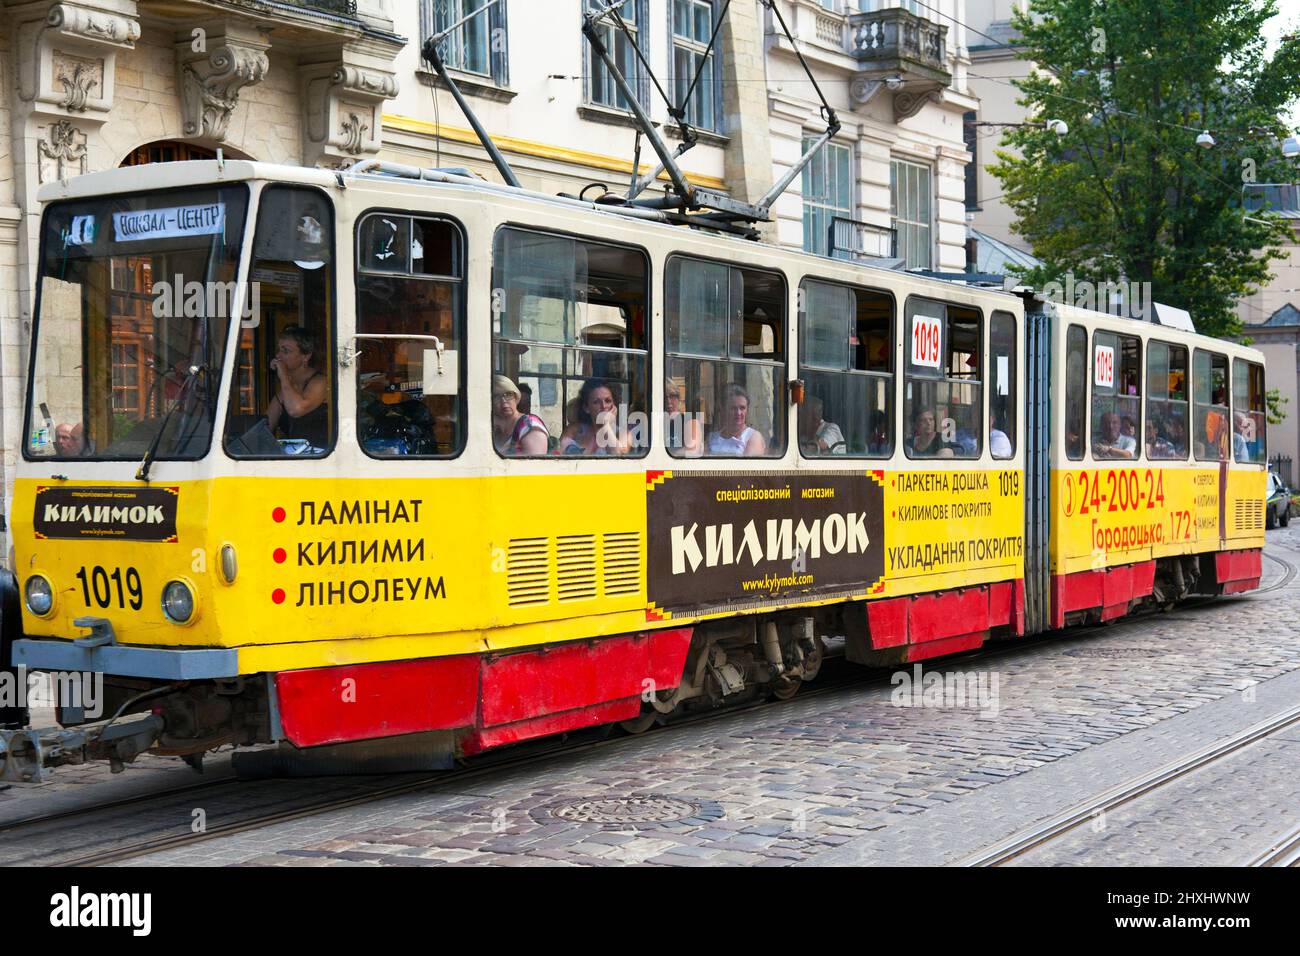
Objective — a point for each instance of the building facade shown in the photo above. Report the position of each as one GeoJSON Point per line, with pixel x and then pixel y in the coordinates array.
{"type": "Point", "coordinates": [90, 85]}
{"type": "Point", "coordinates": [896, 74]}
{"type": "Point", "coordinates": [96, 84]}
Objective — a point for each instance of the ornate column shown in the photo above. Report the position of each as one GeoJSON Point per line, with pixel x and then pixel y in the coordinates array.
{"type": "Point", "coordinates": [214, 63]}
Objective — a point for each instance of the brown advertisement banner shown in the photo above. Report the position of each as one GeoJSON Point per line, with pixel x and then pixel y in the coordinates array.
{"type": "Point", "coordinates": [719, 540]}
{"type": "Point", "coordinates": [112, 514]}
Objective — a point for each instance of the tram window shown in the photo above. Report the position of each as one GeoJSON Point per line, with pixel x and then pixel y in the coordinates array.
{"type": "Point", "coordinates": [569, 346]}
{"type": "Point", "coordinates": [282, 398]}
{"type": "Point", "coordinates": [725, 359]}
{"type": "Point", "coordinates": [1076, 391]}
{"type": "Point", "coordinates": [409, 283]}
{"type": "Point", "coordinates": [1002, 385]}
{"type": "Point", "coordinates": [943, 397]}
{"type": "Point", "coordinates": [1116, 395]}
{"type": "Point", "coordinates": [1210, 396]}
{"type": "Point", "coordinates": [1249, 418]}
{"type": "Point", "coordinates": [1166, 428]}
{"type": "Point", "coordinates": [847, 364]}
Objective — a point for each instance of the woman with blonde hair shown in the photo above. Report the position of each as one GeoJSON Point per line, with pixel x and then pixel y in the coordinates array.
{"type": "Point", "coordinates": [513, 432]}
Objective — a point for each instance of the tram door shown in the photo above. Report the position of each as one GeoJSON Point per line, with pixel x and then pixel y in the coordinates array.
{"type": "Point", "coordinates": [1038, 431]}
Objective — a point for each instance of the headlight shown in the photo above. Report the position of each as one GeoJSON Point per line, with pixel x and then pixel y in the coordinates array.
{"type": "Point", "coordinates": [178, 602]}
{"type": "Point", "coordinates": [40, 596]}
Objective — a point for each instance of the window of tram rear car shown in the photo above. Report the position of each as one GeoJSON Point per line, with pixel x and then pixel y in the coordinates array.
{"type": "Point", "coordinates": [282, 400]}
{"type": "Point", "coordinates": [1002, 385]}
{"type": "Point", "coordinates": [847, 364]}
{"type": "Point", "coordinates": [1116, 395]}
{"type": "Point", "coordinates": [1249, 417]}
{"type": "Point", "coordinates": [1165, 436]}
{"type": "Point", "coordinates": [943, 400]}
{"type": "Point", "coordinates": [725, 347]}
{"type": "Point", "coordinates": [1210, 426]}
{"type": "Point", "coordinates": [1076, 391]}
{"type": "Point", "coordinates": [410, 337]}
{"type": "Point", "coordinates": [569, 338]}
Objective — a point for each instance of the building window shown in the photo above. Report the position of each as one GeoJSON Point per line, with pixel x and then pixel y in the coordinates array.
{"type": "Point", "coordinates": [693, 22]}
{"type": "Point", "coordinates": [478, 45]}
{"type": "Point", "coordinates": [601, 89]}
{"type": "Point", "coordinates": [910, 206]}
{"type": "Point", "coordinates": [827, 194]}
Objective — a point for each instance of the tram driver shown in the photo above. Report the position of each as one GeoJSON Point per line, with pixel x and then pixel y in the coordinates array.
{"type": "Point", "coordinates": [299, 409]}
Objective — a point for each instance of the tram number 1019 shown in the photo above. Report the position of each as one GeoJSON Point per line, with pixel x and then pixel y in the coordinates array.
{"type": "Point", "coordinates": [103, 587]}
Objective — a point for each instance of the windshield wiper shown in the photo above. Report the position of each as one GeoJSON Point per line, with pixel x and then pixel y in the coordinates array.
{"type": "Point", "coordinates": [142, 474]}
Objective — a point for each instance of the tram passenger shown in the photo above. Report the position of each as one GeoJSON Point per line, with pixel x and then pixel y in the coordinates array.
{"type": "Point", "coordinates": [1240, 447]}
{"type": "Point", "coordinates": [816, 435]}
{"type": "Point", "coordinates": [299, 408]}
{"type": "Point", "coordinates": [878, 442]}
{"type": "Point", "coordinates": [1112, 442]}
{"type": "Point", "coordinates": [1215, 444]}
{"type": "Point", "coordinates": [681, 428]}
{"type": "Point", "coordinates": [70, 440]}
{"type": "Point", "coordinates": [926, 441]}
{"type": "Point", "coordinates": [1128, 428]}
{"type": "Point", "coordinates": [1157, 445]}
{"type": "Point", "coordinates": [999, 443]}
{"type": "Point", "coordinates": [514, 433]}
{"type": "Point", "coordinates": [1176, 429]}
{"type": "Point", "coordinates": [736, 436]}
{"type": "Point", "coordinates": [596, 431]}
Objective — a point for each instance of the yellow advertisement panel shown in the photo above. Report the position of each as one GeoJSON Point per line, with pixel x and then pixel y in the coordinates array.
{"type": "Point", "coordinates": [1109, 516]}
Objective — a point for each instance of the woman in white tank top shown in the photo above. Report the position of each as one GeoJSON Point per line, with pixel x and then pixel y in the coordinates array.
{"type": "Point", "coordinates": [735, 437]}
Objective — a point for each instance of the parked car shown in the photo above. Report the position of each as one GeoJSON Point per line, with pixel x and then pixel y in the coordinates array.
{"type": "Point", "coordinates": [1277, 504]}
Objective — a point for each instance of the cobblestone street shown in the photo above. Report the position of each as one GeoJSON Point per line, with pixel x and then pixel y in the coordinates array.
{"type": "Point", "coordinates": [849, 777]}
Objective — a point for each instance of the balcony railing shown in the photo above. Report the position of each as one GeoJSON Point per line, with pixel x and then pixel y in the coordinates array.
{"type": "Point", "coordinates": [851, 239]}
{"type": "Point", "coordinates": [895, 40]}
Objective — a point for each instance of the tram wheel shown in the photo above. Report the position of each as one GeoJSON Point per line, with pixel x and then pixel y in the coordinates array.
{"type": "Point", "coordinates": [784, 689]}
{"type": "Point", "coordinates": [639, 725]}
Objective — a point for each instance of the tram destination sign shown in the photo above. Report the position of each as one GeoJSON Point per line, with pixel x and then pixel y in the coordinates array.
{"type": "Point", "coordinates": [719, 540]}
{"type": "Point", "coordinates": [112, 514]}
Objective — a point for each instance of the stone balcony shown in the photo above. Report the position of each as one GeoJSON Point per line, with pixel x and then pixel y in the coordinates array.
{"type": "Point", "coordinates": [902, 52]}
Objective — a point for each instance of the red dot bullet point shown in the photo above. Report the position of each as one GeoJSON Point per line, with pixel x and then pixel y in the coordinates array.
{"type": "Point", "coordinates": [279, 555]}
{"type": "Point", "coordinates": [278, 595]}
{"type": "Point", "coordinates": [277, 515]}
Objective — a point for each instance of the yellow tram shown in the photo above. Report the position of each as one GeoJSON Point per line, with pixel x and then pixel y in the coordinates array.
{"type": "Point", "coordinates": [399, 455]}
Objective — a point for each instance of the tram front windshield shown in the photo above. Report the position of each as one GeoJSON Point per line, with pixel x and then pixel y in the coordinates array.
{"type": "Point", "coordinates": [136, 294]}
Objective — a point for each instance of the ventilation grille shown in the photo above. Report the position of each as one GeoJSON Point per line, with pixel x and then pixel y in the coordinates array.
{"type": "Point", "coordinates": [570, 568]}
{"type": "Point", "coordinates": [622, 563]}
{"type": "Point", "coordinates": [1249, 514]}
{"type": "Point", "coordinates": [575, 567]}
{"type": "Point", "coordinates": [527, 571]}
